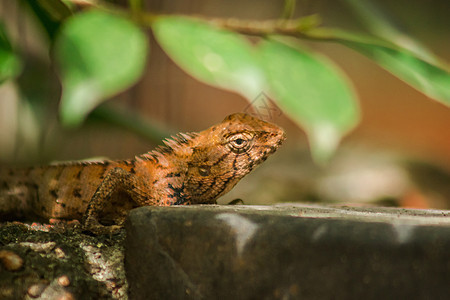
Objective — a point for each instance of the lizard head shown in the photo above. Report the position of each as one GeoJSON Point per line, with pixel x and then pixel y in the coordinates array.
{"type": "Point", "coordinates": [224, 153]}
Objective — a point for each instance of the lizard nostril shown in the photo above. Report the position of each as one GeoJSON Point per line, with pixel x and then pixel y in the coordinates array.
{"type": "Point", "coordinates": [204, 170]}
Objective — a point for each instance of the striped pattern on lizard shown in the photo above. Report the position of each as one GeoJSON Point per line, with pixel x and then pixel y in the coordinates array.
{"type": "Point", "coordinates": [191, 168]}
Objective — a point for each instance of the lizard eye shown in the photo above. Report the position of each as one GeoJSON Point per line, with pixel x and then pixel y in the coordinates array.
{"type": "Point", "coordinates": [240, 142]}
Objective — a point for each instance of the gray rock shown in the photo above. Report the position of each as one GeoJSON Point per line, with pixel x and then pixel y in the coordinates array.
{"type": "Point", "coordinates": [287, 252]}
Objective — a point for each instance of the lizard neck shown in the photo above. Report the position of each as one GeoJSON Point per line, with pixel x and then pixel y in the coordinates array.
{"type": "Point", "coordinates": [167, 169]}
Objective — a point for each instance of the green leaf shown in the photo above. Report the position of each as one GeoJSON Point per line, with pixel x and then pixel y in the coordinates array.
{"type": "Point", "coordinates": [10, 64]}
{"type": "Point", "coordinates": [380, 23]}
{"type": "Point", "coordinates": [313, 92]}
{"type": "Point", "coordinates": [428, 78]}
{"type": "Point", "coordinates": [220, 58]}
{"type": "Point", "coordinates": [99, 55]}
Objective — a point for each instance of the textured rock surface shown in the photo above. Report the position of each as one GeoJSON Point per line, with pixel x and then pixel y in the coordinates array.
{"type": "Point", "coordinates": [38, 262]}
{"type": "Point", "coordinates": [287, 252]}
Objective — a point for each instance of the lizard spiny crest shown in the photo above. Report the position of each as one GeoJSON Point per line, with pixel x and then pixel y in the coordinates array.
{"type": "Point", "coordinates": [172, 145]}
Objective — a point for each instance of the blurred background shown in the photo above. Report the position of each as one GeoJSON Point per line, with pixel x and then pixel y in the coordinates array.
{"type": "Point", "coordinates": [399, 155]}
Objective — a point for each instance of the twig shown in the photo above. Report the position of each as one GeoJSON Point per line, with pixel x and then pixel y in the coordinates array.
{"type": "Point", "coordinates": [293, 27]}
{"type": "Point", "coordinates": [255, 27]}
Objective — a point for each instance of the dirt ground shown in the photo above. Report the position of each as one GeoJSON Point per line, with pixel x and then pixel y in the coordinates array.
{"type": "Point", "coordinates": [59, 262]}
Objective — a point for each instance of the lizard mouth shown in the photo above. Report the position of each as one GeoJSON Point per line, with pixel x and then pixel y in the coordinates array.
{"type": "Point", "coordinates": [280, 140]}
{"type": "Point", "coordinates": [273, 146]}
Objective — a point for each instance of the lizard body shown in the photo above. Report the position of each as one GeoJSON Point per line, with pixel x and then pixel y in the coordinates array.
{"type": "Point", "coordinates": [191, 168]}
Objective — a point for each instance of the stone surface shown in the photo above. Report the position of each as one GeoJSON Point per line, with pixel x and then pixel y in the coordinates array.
{"type": "Point", "coordinates": [287, 252]}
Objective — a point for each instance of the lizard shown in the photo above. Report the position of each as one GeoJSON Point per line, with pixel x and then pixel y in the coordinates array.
{"type": "Point", "coordinates": [190, 168]}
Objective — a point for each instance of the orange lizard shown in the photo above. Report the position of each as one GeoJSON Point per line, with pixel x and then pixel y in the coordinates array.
{"type": "Point", "coordinates": [191, 168]}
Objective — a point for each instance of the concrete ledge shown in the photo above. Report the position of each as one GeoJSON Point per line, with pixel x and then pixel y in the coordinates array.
{"type": "Point", "coordinates": [287, 252]}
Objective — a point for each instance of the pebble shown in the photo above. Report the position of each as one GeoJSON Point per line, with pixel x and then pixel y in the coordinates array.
{"type": "Point", "coordinates": [66, 296]}
{"type": "Point", "coordinates": [63, 280]}
{"type": "Point", "coordinates": [39, 247]}
{"type": "Point", "coordinates": [10, 260]}
{"type": "Point", "coordinates": [59, 253]}
{"type": "Point", "coordinates": [36, 290]}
